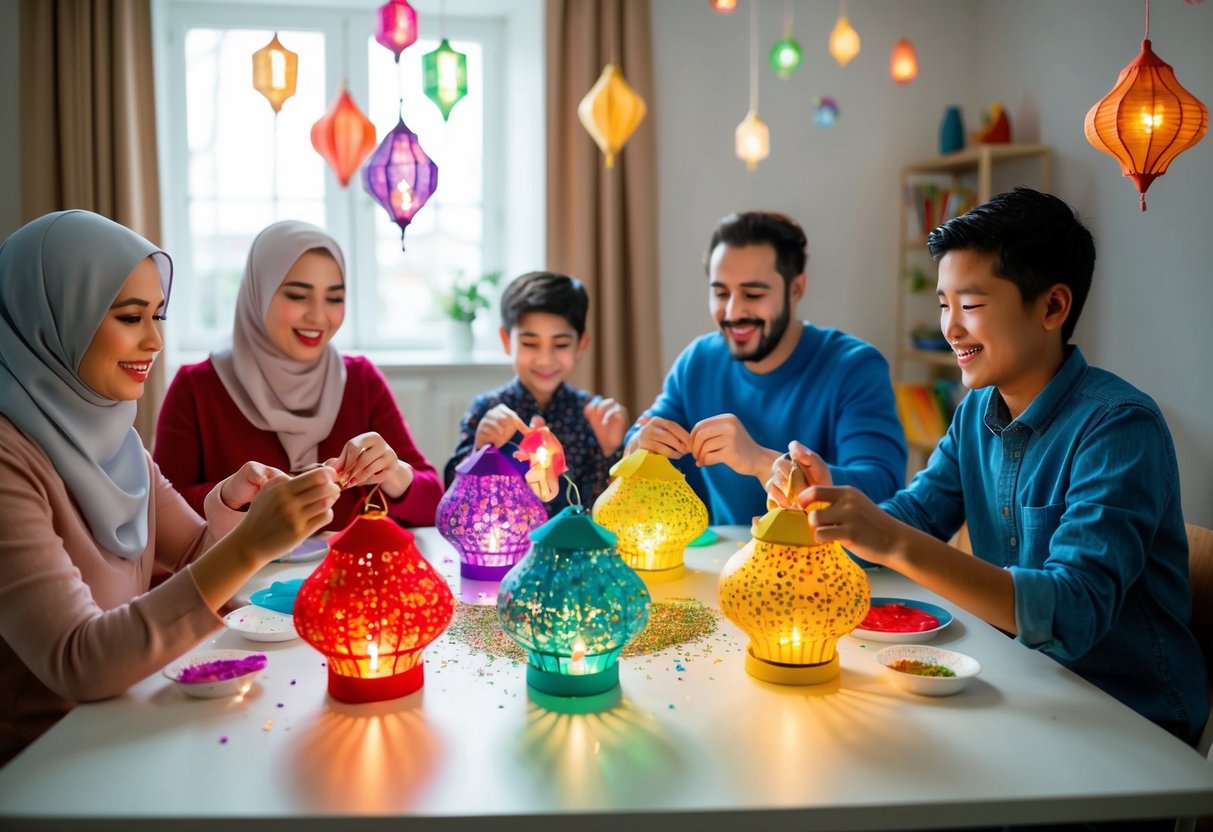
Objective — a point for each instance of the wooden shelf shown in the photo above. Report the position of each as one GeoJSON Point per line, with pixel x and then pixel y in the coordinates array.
{"type": "Point", "coordinates": [940, 358]}
{"type": "Point", "coordinates": [971, 157]}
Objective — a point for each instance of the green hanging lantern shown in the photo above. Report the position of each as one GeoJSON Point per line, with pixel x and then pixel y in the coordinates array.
{"type": "Point", "coordinates": [445, 74]}
{"type": "Point", "coordinates": [785, 55]}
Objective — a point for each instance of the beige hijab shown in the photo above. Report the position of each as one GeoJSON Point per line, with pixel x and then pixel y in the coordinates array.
{"type": "Point", "coordinates": [298, 401]}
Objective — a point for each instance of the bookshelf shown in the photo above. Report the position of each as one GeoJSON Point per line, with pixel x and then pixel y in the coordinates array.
{"type": "Point", "coordinates": [931, 192]}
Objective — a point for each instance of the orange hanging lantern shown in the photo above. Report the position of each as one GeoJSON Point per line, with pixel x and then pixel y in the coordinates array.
{"type": "Point", "coordinates": [344, 136]}
{"type": "Point", "coordinates": [274, 70]}
{"type": "Point", "coordinates": [1147, 119]}
{"type": "Point", "coordinates": [543, 451]}
{"type": "Point", "coordinates": [723, 6]}
{"type": "Point", "coordinates": [903, 62]}
{"type": "Point", "coordinates": [371, 607]}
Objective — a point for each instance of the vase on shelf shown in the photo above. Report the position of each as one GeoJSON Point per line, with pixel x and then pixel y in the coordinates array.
{"type": "Point", "coordinates": [459, 337]}
{"type": "Point", "coordinates": [951, 132]}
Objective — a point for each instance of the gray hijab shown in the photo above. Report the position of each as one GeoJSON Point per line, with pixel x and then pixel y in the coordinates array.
{"type": "Point", "coordinates": [298, 401]}
{"type": "Point", "coordinates": [58, 276]}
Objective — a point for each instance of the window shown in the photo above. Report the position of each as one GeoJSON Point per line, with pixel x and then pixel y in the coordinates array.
{"type": "Point", "coordinates": [229, 167]}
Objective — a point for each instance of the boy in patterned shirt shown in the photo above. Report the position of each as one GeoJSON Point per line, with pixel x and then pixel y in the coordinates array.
{"type": "Point", "coordinates": [543, 318]}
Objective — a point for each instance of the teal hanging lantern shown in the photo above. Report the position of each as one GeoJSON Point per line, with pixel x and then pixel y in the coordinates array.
{"type": "Point", "coordinates": [445, 77]}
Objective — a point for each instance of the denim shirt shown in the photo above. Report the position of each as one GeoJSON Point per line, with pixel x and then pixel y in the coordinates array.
{"type": "Point", "coordinates": [1079, 498]}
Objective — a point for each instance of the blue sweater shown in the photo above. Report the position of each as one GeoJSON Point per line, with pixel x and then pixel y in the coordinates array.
{"type": "Point", "coordinates": [833, 394]}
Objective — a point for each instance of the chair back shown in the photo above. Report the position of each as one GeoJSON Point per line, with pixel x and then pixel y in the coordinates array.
{"type": "Point", "coordinates": [1200, 577]}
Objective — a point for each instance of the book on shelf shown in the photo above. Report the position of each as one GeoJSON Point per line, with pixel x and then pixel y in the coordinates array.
{"type": "Point", "coordinates": [934, 203]}
{"type": "Point", "coordinates": [922, 417]}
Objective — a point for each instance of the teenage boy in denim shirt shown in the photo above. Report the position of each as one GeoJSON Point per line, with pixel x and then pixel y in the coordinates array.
{"type": "Point", "coordinates": [1065, 473]}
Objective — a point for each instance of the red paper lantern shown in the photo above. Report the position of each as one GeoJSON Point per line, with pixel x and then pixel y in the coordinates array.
{"type": "Point", "coordinates": [543, 451]}
{"type": "Point", "coordinates": [903, 62]}
{"type": "Point", "coordinates": [344, 136]}
{"type": "Point", "coordinates": [371, 607]}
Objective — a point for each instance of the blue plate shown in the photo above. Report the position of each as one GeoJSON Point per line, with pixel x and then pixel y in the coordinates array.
{"type": "Point", "coordinates": [279, 596]}
{"type": "Point", "coordinates": [900, 636]}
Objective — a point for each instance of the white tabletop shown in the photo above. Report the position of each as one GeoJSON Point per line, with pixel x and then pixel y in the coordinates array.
{"type": "Point", "coordinates": [692, 734]}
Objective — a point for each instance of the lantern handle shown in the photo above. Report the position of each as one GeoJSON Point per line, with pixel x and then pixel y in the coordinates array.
{"type": "Point", "coordinates": [374, 503]}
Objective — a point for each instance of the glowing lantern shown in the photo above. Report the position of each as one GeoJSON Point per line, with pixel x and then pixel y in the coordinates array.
{"type": "Point", "coordinates": [543, 451]}
{"type": "Point", "coordinates": [343, 136]}
{"type": "Point", "coordinates": [844, 41]}
{"type": "Point", "coordinates": [572, 605]}
{"type": "Point", "coordinates": [400, 176]}
{"type": "Point", "coordinates": [445, 74]}
{"type": "Point", "coordinates": [785, 55]}
{"type": "Point", "coordinates": [610, 112]}
{"type": "Point", "coordinates": [794, 598]}
{"type": "Point", "coordinates": [274, 71]}
{"type": "Point", "coordinates": [371, 607]}
{"type": "Point", "coordinates": [1146, 120]}
{"type": "Point", "coordinates": [653, 511]}
{"type": "Point", "coordinates": [396, 26]}
{"type": "Point", "coordinates": [723, 6]}
{"type": "Point", "coordinates": [752, 140]}
{"type": "Point", "coordinates": [488, 513]}
{"type": "Point", "coordinates": [903, 62]}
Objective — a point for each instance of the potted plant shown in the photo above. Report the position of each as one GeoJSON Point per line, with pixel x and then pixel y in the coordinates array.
{"type": "Point", "coordinates": [461, 305]}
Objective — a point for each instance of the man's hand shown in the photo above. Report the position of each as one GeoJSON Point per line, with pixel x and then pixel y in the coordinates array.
{"type": "Point", "coordinates": [661, 436]}
{"type": "Point", "coordinates": [723, 439]}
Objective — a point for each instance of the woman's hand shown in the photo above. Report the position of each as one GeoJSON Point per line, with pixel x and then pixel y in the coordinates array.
{"type": "Point", "coordinates": [242, 487]}
{"type": "Point", "coordinates": [368, 459]}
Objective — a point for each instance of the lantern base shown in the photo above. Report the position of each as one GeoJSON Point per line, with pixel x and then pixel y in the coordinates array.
{"type": "Point", "coordinates": [662, 576]}
{"type": "Point", "coordinates": [356, 691]}
{"type": "Point", "coordinates": [791, 674]}
{"type": "Point", "coordinates": [476, 572]}
{"type": "Point", "coordinates": [558, 684]}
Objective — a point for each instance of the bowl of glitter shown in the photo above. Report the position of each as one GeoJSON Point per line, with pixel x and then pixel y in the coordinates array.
{"type": "Point", "coordinates": [211, 674]}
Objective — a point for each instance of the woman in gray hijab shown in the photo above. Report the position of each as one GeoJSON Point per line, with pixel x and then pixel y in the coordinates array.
{"type": "Point", "coordinates": [89, 522]}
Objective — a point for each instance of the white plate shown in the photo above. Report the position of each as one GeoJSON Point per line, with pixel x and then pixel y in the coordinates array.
{"type": "Point", "coordinates": [218, 687]}
{"type": "Point", "coordinates": [901, 636]}
{"type": "Point", "coordinates": [965, 668]}
{"type": "Point", "coordinates": [314, 548]}
{"type": "Point", "coordinates": [259, 624]}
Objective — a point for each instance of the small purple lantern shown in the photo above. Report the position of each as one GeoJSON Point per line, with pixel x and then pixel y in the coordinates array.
{"type": "Point", "coordinates": [488, 514]}
{"type": "Point", "coordinates": [400, 175]}
{"type": "Point", "coordinates": [396, 26]}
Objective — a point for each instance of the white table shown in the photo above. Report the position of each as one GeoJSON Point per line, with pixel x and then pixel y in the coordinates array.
{"type": "Point", "coordinates": [1027, 741]}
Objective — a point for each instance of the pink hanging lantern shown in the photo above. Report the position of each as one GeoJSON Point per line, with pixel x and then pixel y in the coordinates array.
{"type": "Point", "coordinates": [396, 26]}
{"type": "Point", "coordinates": [400, 176]}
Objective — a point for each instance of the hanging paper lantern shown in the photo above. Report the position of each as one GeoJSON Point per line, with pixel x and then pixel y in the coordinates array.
{"type": "Point", "coordinates": [400, 176]}
{"type": "Point", "coordinates": [488, 513]}
{"type": "Point", "coordinates": [1146, 120]}
{"type": "Point", "coordinates": [825, 111]}
{"type": "Point", "coordinates": [794, 598]}
{"type": "Point", "coordinates": [274, 70]}
{"type": "Point", "coordinates": [785, 56]}
{"type": "Point", "coordinates": [445, 74]}
{"type": "Point", "coordinates": [572, 605]}
{"type": "Point", "coordinates": [903, 62]}
{"type": "Point", "coordinates": [543, 452]}
{"type": "Point", "coordinates": [343, 136]}
{"type": "Point", "coordinates": [844, 41]}
{"type": "Point", "coordinates": [371, 607]}
{"type": "Point", "coordinates": [723, 6]}
{"type": "Point", "coordinates": [611, 111]}
{"type": "Point", "coordinates": [396, 26]}
{"type": "Point", "coordinates": [752, 140]}
{"type": "Point", "coordinates": [654, 513]}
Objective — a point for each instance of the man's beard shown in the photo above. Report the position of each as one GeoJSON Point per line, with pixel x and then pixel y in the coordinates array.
{"type": "Point", "coordinates": [768, 340]}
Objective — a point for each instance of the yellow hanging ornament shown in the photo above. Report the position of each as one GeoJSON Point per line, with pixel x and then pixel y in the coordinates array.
{"type": "Point", "coordinates": [611, 111]}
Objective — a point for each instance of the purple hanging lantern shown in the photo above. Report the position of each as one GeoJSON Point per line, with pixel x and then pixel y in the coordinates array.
{"type": "Point", "coordinates": [396, 26]}
{"type": "Point", "coordinates": [400, 176]}
{"type": "Point", "coordinates": [488, 514]}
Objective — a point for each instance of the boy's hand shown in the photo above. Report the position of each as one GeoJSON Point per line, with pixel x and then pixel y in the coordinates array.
{"type": "Point", "coordinates": [240, 488]}
{"type": "Point", "coordinates": [661, 436]}
{"type": "Point", "coordinates": [853, 520]}
{"type": "Point", "coordinates": [724, 439]}
{"type": "Point", "coordinates": [811, 466]}
{"type": "Point", "coordinates": [497, 427]}
{"type": "Point", "coordinates": [609, 419]}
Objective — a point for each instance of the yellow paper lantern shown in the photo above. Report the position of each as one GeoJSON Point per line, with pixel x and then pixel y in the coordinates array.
{"type": "Point", "coordinates": [752, 140]}
{"type": "Point", "coordinates": [274, 71]}
{"type": "Point", "coordinates": [844, 41]}
{"type": "Point", "coordinates": [794, 598]}
{"type": "Point", "coordinates": [653, 512]}
{"type": "Point", "coordinates": [611, 111]}
{"type": "Point", "coordinates": [903, 62]}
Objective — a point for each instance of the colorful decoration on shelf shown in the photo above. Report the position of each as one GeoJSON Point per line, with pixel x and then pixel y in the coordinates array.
{"type": "Point", "coordinates": [371, 607]}
{"type": "Point", "coordinates": [396, 26]}
{"type": "Point", "coordinates": [572, 605]}
{"type": "Point", "coordinates": [903, 62]}
{"type": "Point", "coordinates": [445, 77]}
{"type": "Point", "coordinates": [1147, 119]}
{"type": "Point", "coordinates": [654, 513]}
{"type": "Point", "coordinates": [785, 54]}
{"type": "Point", "coordinates": [543, 451]}
{"type": "Point", "coordinates": [343, 136]}
{"type": "Point", "coordinates": [400, 176]}
{"type": "Point", "coordinates": [825, 111]}
{"type": "Point", "coordinates": [274, 71]}
{"type": "Point", "coordinates": [951, 131]}
{"type": "Point", "coordinates": [844, 40]}
{"type": "Point", "coordinates": [751, 138]}
{"type": "Point", "coordinates": [723, 6]}
{"type": "Point", "coordinates": [996, 126]}
{"type": "Point", "coordinates": [794, 598]}
{"type": "Point", "coordinates": [488, 513]}
{"type": "Point", "coordinates": [611, 111]}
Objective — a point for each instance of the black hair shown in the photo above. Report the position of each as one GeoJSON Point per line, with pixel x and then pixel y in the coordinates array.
{"type": "Point", "coordinates": [558, 294]}
{"type": "Point", "coordinates": [1037, 241]}
{"type": "Point", "coordinates": [753, 228]}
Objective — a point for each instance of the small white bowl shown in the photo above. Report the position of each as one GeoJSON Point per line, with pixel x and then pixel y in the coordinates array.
{"type": "Point", "coordinates": [965, 668]}
{"type": "Point", "coordinates": [259, 624]}
{"type": "Point", "coordinates": [213, 688]}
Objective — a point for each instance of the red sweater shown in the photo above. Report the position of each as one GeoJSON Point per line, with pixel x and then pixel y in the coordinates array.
{"type": "Point", "coordinates": [202, 438]}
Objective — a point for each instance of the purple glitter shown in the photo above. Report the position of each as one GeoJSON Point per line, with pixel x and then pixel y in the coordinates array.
{"type": "Point", "coordinates": [220, 669]}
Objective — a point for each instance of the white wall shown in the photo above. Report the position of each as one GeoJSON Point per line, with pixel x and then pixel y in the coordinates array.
{"type": "Point", "coordinates": [10, 127]}
{"type": "Point", "coordinates": [1048, 61]}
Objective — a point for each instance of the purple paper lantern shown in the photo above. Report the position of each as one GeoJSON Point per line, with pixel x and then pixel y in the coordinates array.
{"type": "Point", "coordinates": [400, 176]}
{"type": "Point", "coordinates": [396, 26]}
{"type": "Point", "coordinates": [488, 514]}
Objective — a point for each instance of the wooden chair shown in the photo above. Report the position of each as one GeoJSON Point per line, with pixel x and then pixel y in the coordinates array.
{"type": "Point", "coordinates": [1200, 576]}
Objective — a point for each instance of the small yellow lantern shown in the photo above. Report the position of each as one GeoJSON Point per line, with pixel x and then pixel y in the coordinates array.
{"type": "Point", "coordinates": [844, 41]}
{"type": "Point", "coordinates": [611, 111]}
{"type": "Point", "coordinates": [274, 71]}
{"type": "Point", "coordinates": [653, 512]}
{"type": "Point", "coordinates": [752, 140]}
{"type": "Point", "coordinates": [794, 598]}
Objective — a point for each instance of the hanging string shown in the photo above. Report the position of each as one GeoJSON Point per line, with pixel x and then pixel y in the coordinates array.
{"type": "Point", "coordinates": [787, 19]}
{"type": "Point", "coordinates": [753, 56]}
{"type": "Point", "coordinates": [1147, 38]}
{"type": "Point", "coordinates": [274, 164]}
{"type": "Point", "coordinates": [374, 503]}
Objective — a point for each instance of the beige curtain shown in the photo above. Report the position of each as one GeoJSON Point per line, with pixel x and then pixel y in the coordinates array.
{"type": "Point", "coordinates": [88, 123]}
{"type": "Point", "coordinates": [602, 224]}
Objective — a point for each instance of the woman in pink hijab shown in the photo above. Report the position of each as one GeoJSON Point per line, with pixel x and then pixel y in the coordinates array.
{"type": "Point", "coordinates": [282, 395]}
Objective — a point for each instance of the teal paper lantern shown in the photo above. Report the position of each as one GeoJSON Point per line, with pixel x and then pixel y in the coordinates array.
{"type": "Point", "coordinates": [572, 605]}
{"type": "Point", "coordinates": [825, 111]}
{"type": "Point", "coordinates": [445, 77]}
{"type": "Point", "coordinates": [785, 56]}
